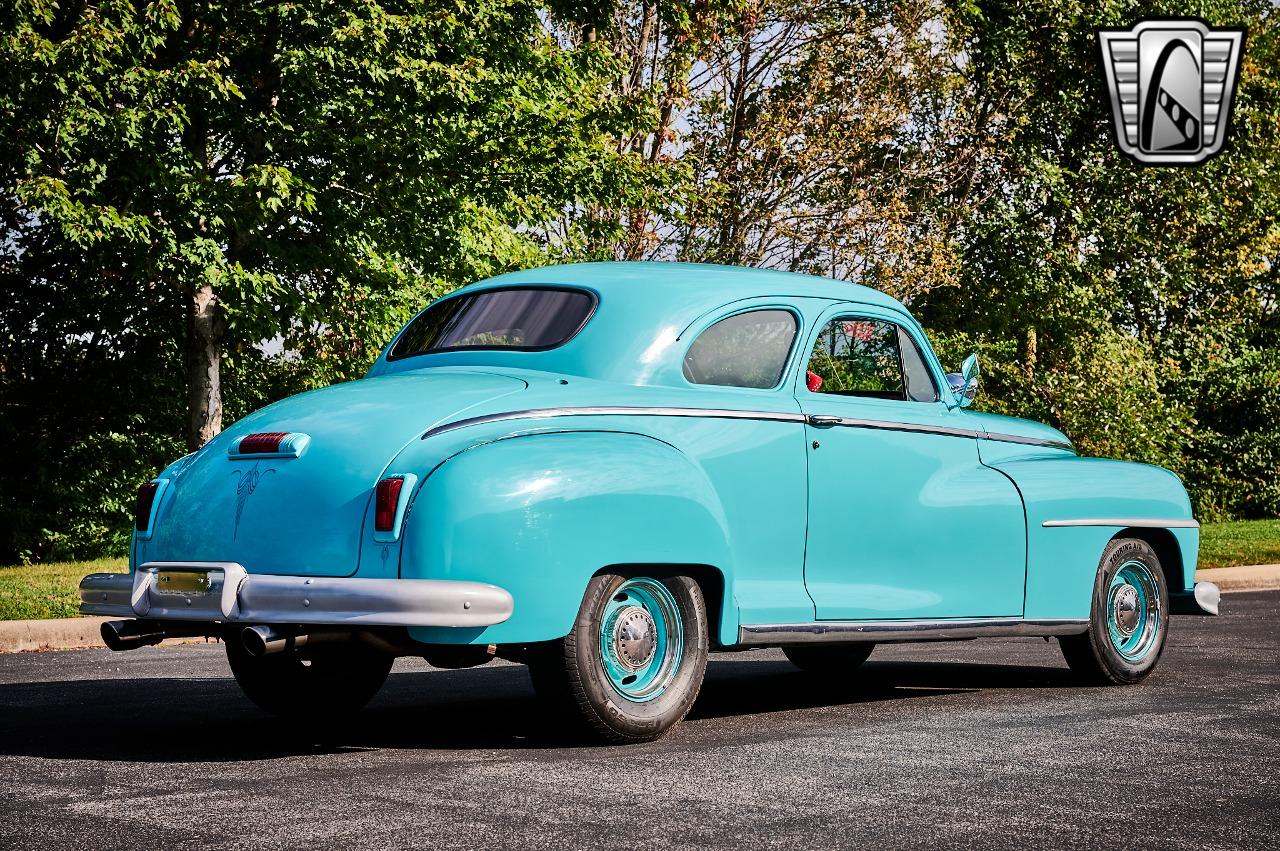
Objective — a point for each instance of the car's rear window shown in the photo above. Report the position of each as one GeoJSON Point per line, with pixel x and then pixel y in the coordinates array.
{"type": "Point", "coordinates": [525, 319]}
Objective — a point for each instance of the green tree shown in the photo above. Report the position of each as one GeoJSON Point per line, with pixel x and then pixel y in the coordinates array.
{"type": "Point", "coordinates": [192, 184]}
{"type": "Point", "coordinates": [273, 168]}
{"type": "Point", "coordinates": [1116, 300]}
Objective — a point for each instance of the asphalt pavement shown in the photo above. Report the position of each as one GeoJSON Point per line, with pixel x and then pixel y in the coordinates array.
{"type": "Point", "coordinates": [948, 745]}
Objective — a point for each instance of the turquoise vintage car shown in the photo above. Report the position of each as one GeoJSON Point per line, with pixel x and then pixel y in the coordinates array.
{"type": "Point", "coordinates": [604, 470]}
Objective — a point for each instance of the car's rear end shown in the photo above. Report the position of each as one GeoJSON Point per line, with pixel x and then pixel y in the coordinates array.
{"type": "Point", "coordinates": [287, 517]}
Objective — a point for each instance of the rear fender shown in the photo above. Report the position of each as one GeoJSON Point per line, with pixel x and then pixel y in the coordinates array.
{"type": "Point", "coordinates": [539, 514]}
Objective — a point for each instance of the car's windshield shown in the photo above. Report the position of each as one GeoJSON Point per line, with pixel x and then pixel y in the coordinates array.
{"type": "Point", "coordinates": [528, 318]}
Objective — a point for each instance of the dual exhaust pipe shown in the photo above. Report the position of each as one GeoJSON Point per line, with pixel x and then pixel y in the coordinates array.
{"type": "Point", "coordinates": [267, 640]}
{"type": "Point", "coordinates": [258, 640]}
{"type": "Point", "coordinates": [130, 635]}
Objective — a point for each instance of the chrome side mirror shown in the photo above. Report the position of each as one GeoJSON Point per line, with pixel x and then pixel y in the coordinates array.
{"type": "Point", "coordinates": [964, 384]}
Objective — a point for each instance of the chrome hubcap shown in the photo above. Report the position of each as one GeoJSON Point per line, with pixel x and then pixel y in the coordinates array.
{"type": "Point", "coordinates": [1134, 613]}
{"type": "Point", "coordinates": [634, 637]}
{"type": "Point", "coordinates": [1125, 601]}
{"type": "Point", "coordinates": [641, 639]}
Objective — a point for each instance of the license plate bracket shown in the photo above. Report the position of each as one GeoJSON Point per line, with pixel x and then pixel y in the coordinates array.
{"type": "Point", "coordinates": [187, 590]}
{"type": "Point", "coordinates": [184, 582]}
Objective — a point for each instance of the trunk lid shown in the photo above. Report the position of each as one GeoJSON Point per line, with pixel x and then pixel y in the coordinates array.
{"type": "Point", "coordinates": [305, 515]}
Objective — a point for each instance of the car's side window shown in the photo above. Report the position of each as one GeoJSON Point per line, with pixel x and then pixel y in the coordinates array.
{"type": "Point", "coordinates": [744, 350]}
{"type": "Point", "coordinates": [856, 356]}
{"type": "Point", "coordinates": [920, 386]}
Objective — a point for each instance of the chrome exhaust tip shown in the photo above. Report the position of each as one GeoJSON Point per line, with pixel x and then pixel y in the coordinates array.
{"type": "Point", "coordinates": [132, 634]}
{"type": "Point", "coordinates": [262, 641]}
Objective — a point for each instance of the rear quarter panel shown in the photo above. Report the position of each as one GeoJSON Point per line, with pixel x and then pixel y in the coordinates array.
{"type": "Point", "coordinates": [538, 511]}
{"type": "Point", "coordinates": [539, 514]}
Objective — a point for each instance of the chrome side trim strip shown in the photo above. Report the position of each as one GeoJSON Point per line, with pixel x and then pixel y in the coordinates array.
{"type": "Point", "coordinates": [889, 425]}
{"type": "Point", "coordinates": [1029, 441]}
{"type": "Point", "coordinates": [911, 630]}
{"type": "Point", "coordinates": [1138, 522]}
{"type": "Point", "coordinates": [617, 411]}
{"type": "Point", "coordinates": [729, 414]}
{"type": "Point", "coordinates": [921, 428]}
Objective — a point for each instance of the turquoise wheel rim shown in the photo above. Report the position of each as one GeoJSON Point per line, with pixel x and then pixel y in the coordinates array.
{"type": "Point", "coordinates": [1133, 611]}
{"type": "Point", "coordinates": [641, 639]}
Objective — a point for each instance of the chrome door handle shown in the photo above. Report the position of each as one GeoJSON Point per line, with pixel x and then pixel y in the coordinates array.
{"type": "Point", "coordinates": [823, 421]}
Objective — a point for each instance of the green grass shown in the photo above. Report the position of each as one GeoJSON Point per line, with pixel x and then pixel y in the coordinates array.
{"type": "Point", "coordinates": [49, 590]}
{"type": "Point", "coordinates": [32, 591]}
{"type": "Point", "coordinates": [1240, 542]}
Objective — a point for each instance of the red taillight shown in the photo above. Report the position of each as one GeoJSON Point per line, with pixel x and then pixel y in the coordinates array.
{"type": "Point", "coordinates": [265, 441]}
{"type": "Point", "coordinates": [388, 497]}
{"type": "Point", "coordinates": [142, 510]}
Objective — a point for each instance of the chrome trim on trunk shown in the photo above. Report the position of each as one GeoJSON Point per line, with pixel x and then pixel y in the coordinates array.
{"type": "Point", "coordinates": [1137, 522]}
{"type": "Point", "coordinates": [906, 630]}
{"type": "Point", "coordinates": [818, 420]}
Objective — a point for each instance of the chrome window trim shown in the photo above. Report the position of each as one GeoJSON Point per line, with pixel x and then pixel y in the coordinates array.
{"type": "Point", "coordinates": [730, 414]}
{"type": "Point", "coordinates": [1138, 522]}
{"type": "Point", "coordinates": [906, 630]}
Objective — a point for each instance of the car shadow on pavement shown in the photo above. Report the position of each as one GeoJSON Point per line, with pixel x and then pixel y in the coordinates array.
{"type": "Point", "coordinates": [761, 686]}
{"type": "Point", "coordinates": [208, 720]}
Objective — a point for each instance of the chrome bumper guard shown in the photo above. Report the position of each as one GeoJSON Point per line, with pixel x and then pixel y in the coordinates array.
{"type": "Point", "coordinates": [225, 591]}
{"type": "Point", "coordinates": [1203, 599]}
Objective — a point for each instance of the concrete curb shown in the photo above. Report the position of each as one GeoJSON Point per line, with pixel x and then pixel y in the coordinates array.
{"type": "Point", "coordinates": [1253, 577]}
{"type": "Point", "coordinates": [72, 633]}
{"type": "Point", "coordinates": [51, 634]}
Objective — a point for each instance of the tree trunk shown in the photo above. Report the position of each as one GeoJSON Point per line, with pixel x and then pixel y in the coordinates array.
{"type": "Point", "coordinates": [205, 327]}
{"type": "Point", "coordinates": [729, 244]}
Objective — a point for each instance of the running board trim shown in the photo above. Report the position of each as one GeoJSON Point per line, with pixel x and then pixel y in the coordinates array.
{"type": "Point", "coordinates": [913, 630]}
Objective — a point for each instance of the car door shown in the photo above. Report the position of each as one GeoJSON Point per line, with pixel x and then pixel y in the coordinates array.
{"type": "Point", "coordinates": [904, 520]}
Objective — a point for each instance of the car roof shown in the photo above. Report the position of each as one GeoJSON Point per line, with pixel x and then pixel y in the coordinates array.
{"type": "Point", "coordinates": [634, 335]}
{"type": "Point", "coordinates": [710, 283]}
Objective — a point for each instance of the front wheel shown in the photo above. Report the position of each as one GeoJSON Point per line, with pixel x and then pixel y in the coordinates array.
{"type": "Point", "coordinates": [1129, 617]}
{"type": "Point", "coordinates": [633, 664]}
{"type": "Point", "coordinates": [330, 680]}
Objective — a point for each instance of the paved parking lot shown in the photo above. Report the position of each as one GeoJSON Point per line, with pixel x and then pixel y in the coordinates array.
{"type": "Point", "coordinates": [980, 744]}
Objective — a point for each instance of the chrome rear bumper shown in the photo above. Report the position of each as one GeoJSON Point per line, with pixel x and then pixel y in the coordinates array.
{"type": "Point", "coordinates": [1203, 599]}
{"type": "Point", "coordinates": [225, 591]}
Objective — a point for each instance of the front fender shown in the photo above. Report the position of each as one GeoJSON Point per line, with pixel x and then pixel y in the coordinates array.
{"type": "Point", "coordinates": [539, 514]}
{"type": "Point", "coordinates": [1062, 560]}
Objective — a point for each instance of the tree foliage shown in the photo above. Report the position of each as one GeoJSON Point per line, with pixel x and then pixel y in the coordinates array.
{"type": "Point", "coordinates": [1123, 303]}
{"type": "Point", "coordinates": [213, 203]}
{"type": "Point", "coordinates": [190, 180]}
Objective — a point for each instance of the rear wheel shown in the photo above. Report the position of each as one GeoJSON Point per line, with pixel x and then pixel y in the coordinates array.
{"type": "Point", "coordinates": [329, 680]}
{"type": "Point", "coordinates": [829, 658]}
{"type": "Point", "coordinates": [1129, 618]}
{"type": "Point", "coordinates": [633, 664]}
